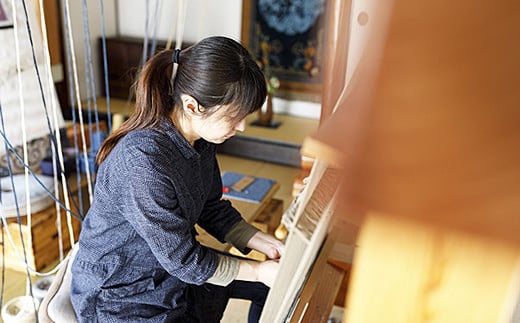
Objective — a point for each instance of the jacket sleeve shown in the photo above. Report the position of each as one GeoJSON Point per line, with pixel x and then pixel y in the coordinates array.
{"type": "Point", "coordinates": [218, 216]}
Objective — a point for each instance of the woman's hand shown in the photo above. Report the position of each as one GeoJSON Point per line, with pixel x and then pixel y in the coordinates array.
{"type": "Point", "coordinates": [267, 244]}
{"type": "Point", "coordinates": [261, 271]}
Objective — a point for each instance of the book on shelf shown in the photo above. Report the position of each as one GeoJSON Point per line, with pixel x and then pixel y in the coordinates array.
{"type": "Point", "coordinates": [245, 187]}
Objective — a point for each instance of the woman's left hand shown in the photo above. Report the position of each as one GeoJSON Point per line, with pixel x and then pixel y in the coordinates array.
{"type": "Point", "coordinates": [267, 244]}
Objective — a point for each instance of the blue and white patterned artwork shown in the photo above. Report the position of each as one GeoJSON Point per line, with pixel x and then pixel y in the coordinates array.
{"type": "Point", "coordinates": [287, 38]}
{"type": "Point", "coordinates": [291, 17]}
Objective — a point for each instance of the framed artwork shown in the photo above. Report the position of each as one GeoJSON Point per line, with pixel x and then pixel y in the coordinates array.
{"type": "Point", "coordinates": [287, 40]}
{"type": "Point", "coordinates": [5, 20]}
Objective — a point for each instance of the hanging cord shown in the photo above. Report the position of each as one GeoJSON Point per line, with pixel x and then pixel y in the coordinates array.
{"type": "Point", "coordinates": [28, 290]}
{"type": "Point", "coordinates": [35, 176]}
{"type": "Point", "coordinates": [86, 43]}
{"type": "Point", "coordinates": [143, 60]}
{"type": "Point", "coordinates": [56, 147]}
{"type": "Point", "coordinates": [172, 32]}
{"type": "Point", "coordinates": [145, 40]}
{"type": "Point", "coordinates": [9, 148]}
{"type": "Point", "coordinates": [23, 258]}
{"type": "Point", "coordinates": [54, 135]}
{"type": "Point", "coordinates": [181, 18]}
{"type": "Point", "coordinates": [105, 66]}
{"type": "Point", "coordinates": [56, 144]}
{"type": "Point", "coordinates": [2, 289]}
{"type": "Point", "coordinates": [21, 255]}
{"type": "Point", "coordinates": [89, 69]}
{"type": "Point", "coordinates": [53, 138]}
{"type": "Point", "coordinates": [89, 63]}
{"type": "Point", "coordinates": [13, 187]}
{"type": "Point", "coordinates": [54, 151]}
{"type": "Point", "coordinates": [72, 101]}
{"type": "Point", "coordinates": [25, 154]}
{"type": "Point", "coordinates": [156, 21]}
{"type": "Point", "coordinates": [78, 99]}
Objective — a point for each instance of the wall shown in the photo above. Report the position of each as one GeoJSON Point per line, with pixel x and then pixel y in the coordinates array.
{"type": "Point", "coordinates": [203, 18]}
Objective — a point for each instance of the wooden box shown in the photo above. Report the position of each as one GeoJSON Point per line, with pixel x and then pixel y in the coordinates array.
{"type": "Point", "coordinates": [44, 249]}
{"type": "Point", "coordinates": [271, 215]}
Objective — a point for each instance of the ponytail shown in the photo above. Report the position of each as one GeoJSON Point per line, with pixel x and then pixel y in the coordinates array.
{"type": "Point", "coordinates": [153, 101]}
{"type": "Point", "coordinates": [217, 71]}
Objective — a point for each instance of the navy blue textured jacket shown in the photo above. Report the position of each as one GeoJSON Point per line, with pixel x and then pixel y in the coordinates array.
{"type": "Point", "coordinates": [137, 244]}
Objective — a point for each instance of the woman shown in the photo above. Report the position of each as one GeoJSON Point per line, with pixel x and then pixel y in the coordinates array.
{"type": "Point", "coordinates": [138, 258]}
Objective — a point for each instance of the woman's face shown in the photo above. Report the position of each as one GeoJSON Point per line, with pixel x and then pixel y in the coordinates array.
{"type": "Point", "coordinates": [218, 127]}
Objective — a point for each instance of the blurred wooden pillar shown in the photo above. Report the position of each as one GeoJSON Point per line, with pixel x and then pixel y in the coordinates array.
{"type": "Point", "coordinates": [335, 71]}
{"type": "Point", "coordinates": [412, 272]}
{"type": "Point", "coordinates": [428, 138]}
{"type": "Point", "coordinates": [336, 54]}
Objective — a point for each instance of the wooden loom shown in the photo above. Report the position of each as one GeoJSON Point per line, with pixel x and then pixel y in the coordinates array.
{"type": "Point", "coordinates": [427, 143]}
{"type": "Point", "coordinates": [307, 220]}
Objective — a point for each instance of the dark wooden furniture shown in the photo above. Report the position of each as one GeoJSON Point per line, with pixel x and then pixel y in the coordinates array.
{"type": "Point", "coordinates": [124, 60]}
{"type": "Point", "coordinates": [124, 57]}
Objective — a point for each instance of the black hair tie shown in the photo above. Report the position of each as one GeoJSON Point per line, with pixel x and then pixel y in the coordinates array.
{"type": "Point", "coordinates": [176, 56]}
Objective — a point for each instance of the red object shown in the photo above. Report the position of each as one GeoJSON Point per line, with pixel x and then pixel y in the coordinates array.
{"type": "Point", "coordinates": [225, 189]}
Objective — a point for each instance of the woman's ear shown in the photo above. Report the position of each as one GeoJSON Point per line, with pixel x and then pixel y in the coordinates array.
{"type": "Point", "coordinates": [191, 106]}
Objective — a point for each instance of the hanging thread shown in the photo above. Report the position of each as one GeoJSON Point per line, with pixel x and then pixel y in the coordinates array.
{"type": "Point", "coordinates": [105, 66]}
{"type": "Point", "coordinates": [24, 145]}
{"type": "Point", "coordinates": [181, 17]}
{"type": "Point", "coordinates": [78, 99]}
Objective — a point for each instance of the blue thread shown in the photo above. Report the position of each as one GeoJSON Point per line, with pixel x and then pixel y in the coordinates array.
{"type": "Point", "coordinates": [51, 133]}
{"type": "Point", "coordinates": [145, 41]}
{"type": "Point", "coordinates": [73, 105]}
{"type": "Point", "coordinates": [155, 24]}
{"type": "Point", "coordinates": [35, 62]}
{"type": "Point", "coordinates": [105, 65]}
{"type": "Point", "coordinates": [89, 71]}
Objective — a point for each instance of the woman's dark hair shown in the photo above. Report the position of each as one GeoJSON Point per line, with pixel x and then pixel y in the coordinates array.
{"type": "Point", "coordinates": [215, 71]}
